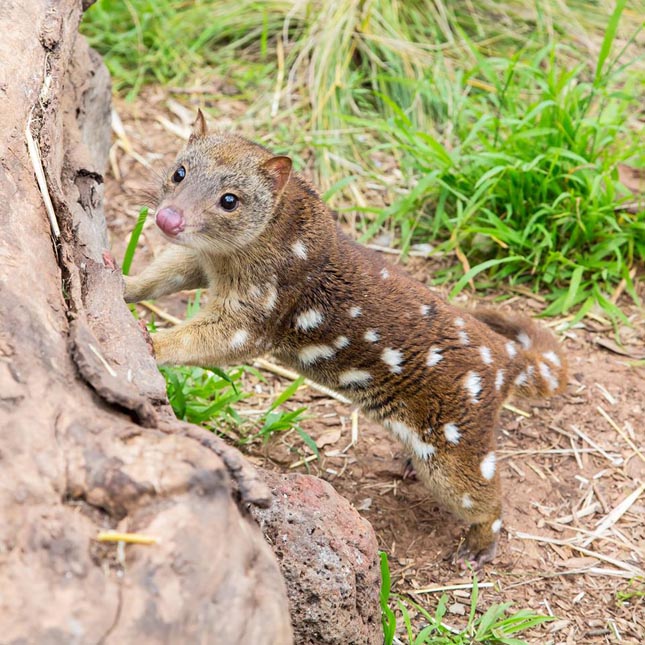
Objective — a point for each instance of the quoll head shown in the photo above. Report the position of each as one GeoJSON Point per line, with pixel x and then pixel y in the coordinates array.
{"type": "Point", "coordinates": [221, 192]}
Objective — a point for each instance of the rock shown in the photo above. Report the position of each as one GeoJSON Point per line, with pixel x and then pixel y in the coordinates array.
{"type": "Point", "coordinates": [88, 441]}
{"type": "Point", "coordinates": [329, 558]}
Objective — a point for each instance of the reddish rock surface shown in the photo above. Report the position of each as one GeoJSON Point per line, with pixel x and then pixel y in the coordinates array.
{"type": "Point", "coordinates": [329, 559]}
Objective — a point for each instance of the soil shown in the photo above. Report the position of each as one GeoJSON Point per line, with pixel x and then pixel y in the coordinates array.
{"type": "Point", "coordinates": [572, 467]}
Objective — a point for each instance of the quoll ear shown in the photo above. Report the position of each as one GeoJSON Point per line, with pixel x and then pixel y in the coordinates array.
{"type": "Point", "coordinates": [199, 128]}
{"type": "Point", "coordinates": [279, 169]}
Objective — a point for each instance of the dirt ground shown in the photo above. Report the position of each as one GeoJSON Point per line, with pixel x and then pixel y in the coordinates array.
{"type": "Point", "coordinates": [573, 467]}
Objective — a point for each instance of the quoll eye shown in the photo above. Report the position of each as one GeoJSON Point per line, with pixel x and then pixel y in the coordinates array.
{"type": "Point", "coordinates": [179, 174]}
{"type": "Point", "coordinates": [229, 202]}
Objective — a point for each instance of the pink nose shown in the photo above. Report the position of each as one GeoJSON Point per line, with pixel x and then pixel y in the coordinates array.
{"type": "Point", "coordinates": [170, 221]}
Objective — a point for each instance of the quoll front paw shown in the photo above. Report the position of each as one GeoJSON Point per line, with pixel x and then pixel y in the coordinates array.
{"type": "Point", "coordinates": [169, 348]}
{"type": "Point", "coordinates": [129, 293]}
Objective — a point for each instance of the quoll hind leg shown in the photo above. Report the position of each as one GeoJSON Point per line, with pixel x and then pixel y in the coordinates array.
{"type": "Point", "coordinates": [469, 487]}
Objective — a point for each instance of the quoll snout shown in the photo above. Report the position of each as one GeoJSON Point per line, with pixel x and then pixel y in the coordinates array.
{"type": "Point", "coordinates": [170, 220]}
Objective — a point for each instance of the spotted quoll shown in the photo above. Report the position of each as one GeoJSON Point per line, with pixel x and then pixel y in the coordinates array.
{"type": "Point", "coordinates": [282, 278]}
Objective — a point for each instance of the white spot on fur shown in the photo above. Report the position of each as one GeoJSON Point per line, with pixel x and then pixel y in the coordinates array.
{"type": "Point", "coordinates": [425, 310]}
{"type": "Point", "coordinates": [255, 291]}
{"type": "Point", "coordinates": [520, 379]}
{"type": "Point", "coordinates": [487, 466]}
{"type": "Point", "coordinates": [409, 437]}
{"type": "Point", "coordinates": [299, 250]}
{"type": "Point", "coordinates": [309, 319]}
{"type": "Point", "coordinates": [422, 449]}
{"type": "Point", "coordinates": [473, 385]}
{"type": "Point", "coordinates": [434, 356]}
{"type": "Point", "coordinates": [459, 322]}
{"type": "Point", "coordinates": [271, 297]}
{"type": "Point", "coordinates": [524, 340]}
{"type": "Point", "coordinates": [355, 312]}
{"type": "Point", "coordinates": [354, 377]}
{"type": "Point", "coordinates": [486, 355]}
{"type": "Point", "coordinates": [385, 274]}
{"type": "Point", "coordinates": [552, 357]}
{"type": "Point", "coordinates": [466, 501]}
{"type": "Point", "coordinates": [311, 353]}
{"type": "Point", "coordinates": [511, 350]}
{"type": "Point", "coordinates": [393, 358]}
{"type": "Point", "coordinates": [371, 336]}
{"type": "Point", "coordinates": [496, 526]}
{"type": "Point", "coordinates": [547, 375]}
{"type": "Point", "coordinates": [452, 433]}
{"type": "Point", "coordinates": [463, 337]}
{"type": "Point", "coordinates": [499, 380]}
{"type": "Point", "coordinates": [239, 338]}
{"type": "Point", "coordinates": [341, 342]}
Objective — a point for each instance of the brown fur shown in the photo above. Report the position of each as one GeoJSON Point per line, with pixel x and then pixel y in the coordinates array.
{"type": "Point", "coordinates": [283, 278]}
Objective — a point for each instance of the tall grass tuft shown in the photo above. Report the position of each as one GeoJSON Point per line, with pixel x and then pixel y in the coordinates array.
{"type": "Point", "coordinates": [147, 41]}
{"type": "Point", "coordinates": [523, 174]}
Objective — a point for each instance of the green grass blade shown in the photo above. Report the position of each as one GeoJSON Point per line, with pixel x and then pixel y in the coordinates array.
{"type": "Point", "coordinates": [307, 438]}
{"type": "Point", "coordinates": [576, 278]}
{"type": "Point", "coordinates": [340, 185]}
{"type": "Point", "coordinates": [134, 240]}
{"type": "Point", "coordinates": [388, 618]}
{"type": "Point", "coordinates": [489, 619]}
{"type": "Point", "coordinates": [223, 375]}
{"type": "Point", "coordinates": [608, 40]}
{"type": "Point", "coordinates": [287, 393]}
{"type": "Point", "coordinates": [465, 279]}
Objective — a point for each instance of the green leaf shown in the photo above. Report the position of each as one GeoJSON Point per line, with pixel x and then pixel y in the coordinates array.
{"type": "Point", "coordinates": [133, 241]}
{"type": "Point", "coordinates": [309, 441]}
{"type": "Point", "coordinates": [476, 270]}
{"type": "Point", "coordinates": [388, 618]}
{"type": "Point", "coordinates": [287, 393]}
{"type": "Point", "coordinates": [607, 42]}
{"type": "Point", "coordinates": [490, 617]}
{"type": "Point", "coordinates": [223, 375]}
{"type": "Point", "coordinates": [337, 187]}
{"type": "Point", "coordinates": [386, 581]}
{"type": "Point", "coordinates": [574, 285]}
{"type": "Point", "coordinates": [474, 596]}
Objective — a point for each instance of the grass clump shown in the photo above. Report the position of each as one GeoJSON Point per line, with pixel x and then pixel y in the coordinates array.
{"type": "Point", "coordinates": [208, 397]}
{"type": "Point", "coordinates": [204, 396]}
{"type": "Point", "coordinates": [148, 41]}
{"type": "Point", "coordinates": [524, 177]}
{"type": "Point", "coordinates": [496, 626]}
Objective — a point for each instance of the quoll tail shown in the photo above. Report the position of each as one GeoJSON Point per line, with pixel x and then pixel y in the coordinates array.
{"type": "Point", "coordinates": [544, 366]}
